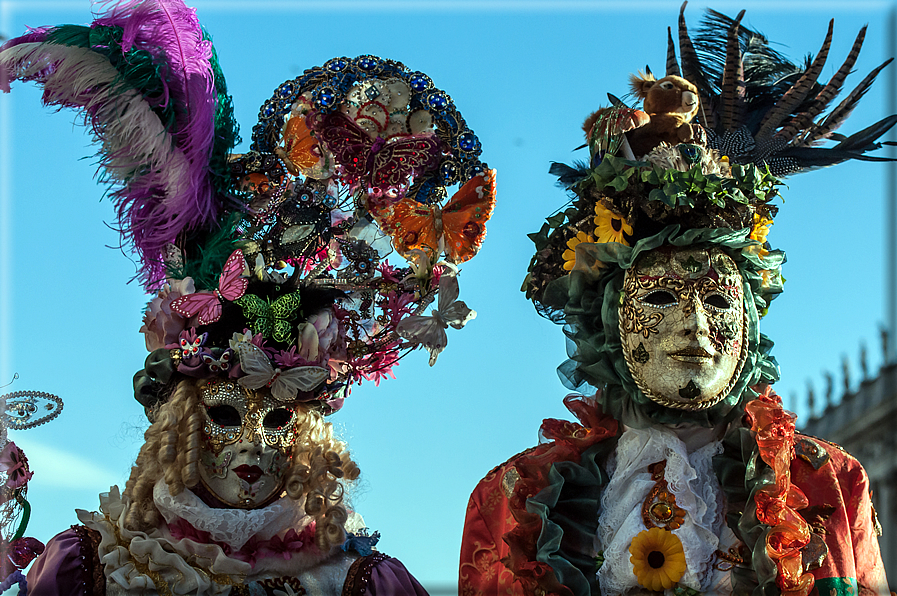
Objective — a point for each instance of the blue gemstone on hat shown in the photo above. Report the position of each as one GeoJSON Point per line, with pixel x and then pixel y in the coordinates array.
{"type": "Point", "coordinates": [372, 93]}
{"type": "Point", "coordinates": [337, 64]}
{"type": "Point", "coordinates": [437, 101]}
{"type": "Point", "coordinates": [468, 141]}
{"type": "Point", "coordinates": [326, 96]}
{"type": "Point", "coordinates": [269, 109]}
{"type": "Point", "coordinates": [449, 172]}
{"type": "Point", "coordinates": [286, 90]}
{"type": "Point", "coordinates": [367, 63]}
{"type": "Point", "coordinates": [419, 81]}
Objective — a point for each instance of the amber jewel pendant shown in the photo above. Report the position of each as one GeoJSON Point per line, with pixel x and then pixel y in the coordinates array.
{"type": "Point", "coordinates": [659, 509]}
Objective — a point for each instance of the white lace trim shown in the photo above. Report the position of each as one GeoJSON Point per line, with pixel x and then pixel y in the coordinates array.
{"type": "Point", "coordinates": [127, 554]}
{"type": "Point", "coordinates": [691, 479]}
{"type": "Point", "coordinates": [233, 527]}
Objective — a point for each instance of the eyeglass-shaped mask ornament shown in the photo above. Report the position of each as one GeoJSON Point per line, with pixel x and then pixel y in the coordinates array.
{"type": "Point", "coordinates": [682, 326]}
{"type": "Point", "coordinates": [248, 438]}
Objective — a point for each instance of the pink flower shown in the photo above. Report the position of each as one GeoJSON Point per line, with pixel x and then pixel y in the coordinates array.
{"type": "Point", "coordinates": [378, 366]}
{"type": "Point", "coordinates": [161, 325]}
{"type": "Point", "coordinates": [396, 304]}
{"type": "Point", "coordinates": [14, 463]}
{"type": "Point", "coordinates": [289, 359]}
{"type": "Point", "coordinates": [388, 272]}
{"type": "Point", "coordinates": [327, 327]}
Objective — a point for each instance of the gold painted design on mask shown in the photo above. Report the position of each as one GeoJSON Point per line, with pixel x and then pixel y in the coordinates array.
{"type": "Point", "coordinates": [682, 326]}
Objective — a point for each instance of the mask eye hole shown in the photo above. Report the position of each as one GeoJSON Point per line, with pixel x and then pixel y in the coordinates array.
{"type": "Point", "coordinates": [666, 85]}
{"type": "Point", "coordinates": [224, 415]}
{"type": "Point", "coordinates": [718, 301]}
{"type": "Point", "coordinates": [659, 298]}
{"type": "Point", "coordinates": [277, 418]}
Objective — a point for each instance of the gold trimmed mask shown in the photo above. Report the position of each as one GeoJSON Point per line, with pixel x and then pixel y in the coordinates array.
{"type": "Point", "coordinates": [248, 437]}
{"type": "Point", "coordinates": [682, 326]}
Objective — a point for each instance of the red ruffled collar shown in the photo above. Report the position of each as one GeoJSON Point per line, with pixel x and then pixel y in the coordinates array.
{"type": "Point", "coordinates": [255, 549]}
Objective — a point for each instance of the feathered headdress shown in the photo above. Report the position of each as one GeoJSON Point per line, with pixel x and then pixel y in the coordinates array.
{"type": "Point", "coordinates": [270, 266]}
{"type": "Point", "coordinates": [760, 108]}
{"type": "Point", "coordinates": [147, 82]}
{"type": "Point", "coordinates": [758, 117]}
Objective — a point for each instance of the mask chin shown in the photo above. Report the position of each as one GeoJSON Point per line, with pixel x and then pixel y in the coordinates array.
{"type": "Point", "coordinates": [682, 326]}
{"type": "Point", "coordinates": [244, 476]}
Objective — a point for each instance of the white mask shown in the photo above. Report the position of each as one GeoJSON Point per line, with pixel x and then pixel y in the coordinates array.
{"type": "Point", "coordinates": [682, 326]}
{"type": "Point", "coordinates": [248, 443]}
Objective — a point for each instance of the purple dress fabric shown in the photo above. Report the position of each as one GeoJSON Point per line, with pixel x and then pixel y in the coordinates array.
{"type": "Point", "coordinates": [66, 569]}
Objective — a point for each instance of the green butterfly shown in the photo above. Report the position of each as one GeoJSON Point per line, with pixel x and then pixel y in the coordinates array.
{"type": "Point", "coordinates": [271, 319]}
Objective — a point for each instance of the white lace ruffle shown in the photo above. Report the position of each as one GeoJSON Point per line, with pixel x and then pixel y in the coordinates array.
{"type": "Point", "coordinates": [233, 527]}
{"type": "Point", "coordinates": [160, 552]}
{"type": "Point", "coordinates": [691, 479]}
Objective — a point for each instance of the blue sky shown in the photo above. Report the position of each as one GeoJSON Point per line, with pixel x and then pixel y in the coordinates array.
{"type": "Point", "coordinates": [524, 75]}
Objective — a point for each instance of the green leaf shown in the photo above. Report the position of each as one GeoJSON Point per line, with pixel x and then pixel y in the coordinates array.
{"type": "Point", "coordinates": [651, 177]}
{"type": "Point", "coordinates": [658, 195]}
{"type": "Point", "coordinates": [619, 183]}
{"type": "Point", "coordinates": [540, 238]}
{"type": "Point", "coordinates": [635, 164]}
{"type": "Point", "coordinates": [716, 200]}
{"type": "Point", "coordinates": [606, 169]}
{"type": "Point", "coordinates": [738, 196]}
{"type": "Point", "coordinates": [556, 220]}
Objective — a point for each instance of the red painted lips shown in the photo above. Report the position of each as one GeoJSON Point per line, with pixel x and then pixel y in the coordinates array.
{"type": "Point", "coordinates": [250, 474]}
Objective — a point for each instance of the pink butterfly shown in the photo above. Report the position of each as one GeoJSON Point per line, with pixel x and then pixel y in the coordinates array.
{"type": "Point", "coordinates": [379, 164]}
{"type": "Point", "coordinates": [207, 305]}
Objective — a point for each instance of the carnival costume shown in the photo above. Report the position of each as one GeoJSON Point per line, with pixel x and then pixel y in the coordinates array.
{"type": "Point", "coordinates": [683, 474]}
{"type": "Point", "coordinates": [274, 297]}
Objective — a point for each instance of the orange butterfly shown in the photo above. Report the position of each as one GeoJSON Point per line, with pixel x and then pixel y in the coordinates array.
{"type": "Point", "coordinates": [461, 223]}
{"type": "Point", "coordinates": [300, 151]}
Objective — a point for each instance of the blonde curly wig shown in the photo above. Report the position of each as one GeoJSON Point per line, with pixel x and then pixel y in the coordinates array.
{"type": "Point", "coordinates": [171, 451]}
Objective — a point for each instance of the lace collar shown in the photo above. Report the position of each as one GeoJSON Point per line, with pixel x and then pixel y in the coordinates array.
{"type": "Point", "coordinates": [233, 527]}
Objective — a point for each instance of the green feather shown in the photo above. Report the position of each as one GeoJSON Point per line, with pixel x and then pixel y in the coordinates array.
{"type": "Point", "coordinates": [215, 247]}
{"type": "Point", "coordinates": [227, 131]}
{"type": "Point", "coordinates": [137, 70]}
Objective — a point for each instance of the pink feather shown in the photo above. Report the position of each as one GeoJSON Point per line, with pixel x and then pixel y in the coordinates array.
{"type": "Point", "coordinates": [170, 31]}
{"type": "Point", "coordinates": [161, 180]}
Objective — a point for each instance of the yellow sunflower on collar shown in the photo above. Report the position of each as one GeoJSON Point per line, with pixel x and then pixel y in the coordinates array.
{"type": "Point", "coordinates": [610, 227]}
{"type": "Point", "coordinates": [658, 559]}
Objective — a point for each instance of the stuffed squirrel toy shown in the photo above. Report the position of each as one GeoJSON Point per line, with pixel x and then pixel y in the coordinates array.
{"type": "Point", "coordinates": [670, 103]}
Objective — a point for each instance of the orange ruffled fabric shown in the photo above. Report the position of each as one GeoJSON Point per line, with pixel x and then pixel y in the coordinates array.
{"type": "Point", "coordinates": [777, 504]}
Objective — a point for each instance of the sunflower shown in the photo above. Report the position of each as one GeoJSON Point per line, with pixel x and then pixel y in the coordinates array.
{"type": "Point", "coordinates": [570, 254]}
{"type": "Point", "coordinates": [610, 227]}
{"type": "Point", "coordinates": [761, 228]}
{"type": "Point", "coordinates": [658, 559]}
